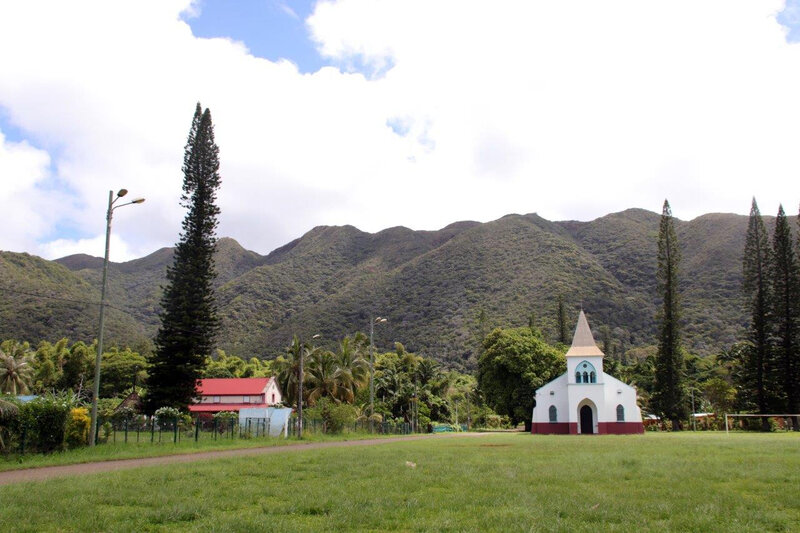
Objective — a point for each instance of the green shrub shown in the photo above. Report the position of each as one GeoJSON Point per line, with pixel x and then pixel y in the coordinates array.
{"type": "Point", "coordinates": [9, 416]}
{"type": "Point", "coordinates": [754, 424]}
{"type": "Point", "coordinates": [43, 422]}
{"type": "Point", "coordinates": [335, 417]}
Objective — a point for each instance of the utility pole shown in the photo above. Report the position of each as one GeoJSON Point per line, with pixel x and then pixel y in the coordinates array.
{"type": "Point", "coordinates": [99, 352]}
{"type": "Point", "coordinates": [302, 349]}
{"type": "Point", "coordinates": [372, 322]}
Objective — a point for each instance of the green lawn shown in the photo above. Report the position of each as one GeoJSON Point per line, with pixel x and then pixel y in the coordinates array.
{"type": "Point", "coordinates": [502, 482]}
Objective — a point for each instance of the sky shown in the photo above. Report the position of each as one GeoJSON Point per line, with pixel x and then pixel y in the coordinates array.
{"type": "Point", "coordinates": [381, 113]}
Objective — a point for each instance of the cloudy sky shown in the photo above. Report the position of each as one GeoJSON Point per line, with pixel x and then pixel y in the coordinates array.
{"type": "Point", "coordinates": [379, 113]}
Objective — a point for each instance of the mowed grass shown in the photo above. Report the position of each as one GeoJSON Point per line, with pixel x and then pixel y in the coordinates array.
{"type": "Point", "coordinates": [501, 482]}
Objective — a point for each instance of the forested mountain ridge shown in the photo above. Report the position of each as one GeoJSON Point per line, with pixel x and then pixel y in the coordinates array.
{"type": "Point", "coordinates": [441, 290]}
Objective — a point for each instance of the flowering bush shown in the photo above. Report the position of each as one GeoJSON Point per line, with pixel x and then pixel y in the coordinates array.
{"type": "Point", "coordinates": [167, 416]}
{"type": "Point", "coordinates": [226, 416]}
{"type": "Point", "coordinates": [78, 422]}
{"type": "Point", "coordinates": [167, 413]}
{"type": "Point", "coordinates": [124, 414]}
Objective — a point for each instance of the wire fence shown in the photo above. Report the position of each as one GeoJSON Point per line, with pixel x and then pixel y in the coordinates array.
{"type": "Point", "coordinates": [45, 438]}
{"type": "Point", "coordinates": [181, 429]}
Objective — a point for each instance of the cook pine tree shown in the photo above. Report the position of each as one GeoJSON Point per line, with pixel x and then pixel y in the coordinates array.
{"type": "Point", "coordinates": [668, 397]}
{"type": "Point", "coordinates": [758, 365]}
{"type": "Point", "coordinates": [786, 292]}
{"type": "Point", "coordinates": [189, 321]}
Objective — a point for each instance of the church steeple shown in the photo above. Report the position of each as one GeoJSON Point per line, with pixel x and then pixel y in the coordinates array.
{"type": "Point", "coordinates": [583, 344]}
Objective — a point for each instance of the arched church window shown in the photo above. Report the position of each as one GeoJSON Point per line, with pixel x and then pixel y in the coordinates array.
{"type": "Point", "coordinates": [585, 373]}
{"type": "Point", "coordinates": [620, 413]}
{"type": "Point", "coordinates": [553, 414]}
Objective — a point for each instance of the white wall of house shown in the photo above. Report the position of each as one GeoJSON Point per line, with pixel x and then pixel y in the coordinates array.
{"type": "Point", "coordinates": [272, 394]}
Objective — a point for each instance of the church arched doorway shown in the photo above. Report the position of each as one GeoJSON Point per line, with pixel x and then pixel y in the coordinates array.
{"type": "Point", "coordinates": [587, 422]}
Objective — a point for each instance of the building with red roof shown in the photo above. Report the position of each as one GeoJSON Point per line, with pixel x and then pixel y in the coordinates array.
{"type": "Point", "coordinates": [233, 394]}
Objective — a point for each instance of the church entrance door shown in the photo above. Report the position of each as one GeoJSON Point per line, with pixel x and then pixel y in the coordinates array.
{"type": "Point", "coordinates": [587, 424]}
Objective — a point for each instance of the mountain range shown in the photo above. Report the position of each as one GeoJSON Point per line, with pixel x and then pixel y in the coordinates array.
{"type": "Point", "coordinates": [440, 290]}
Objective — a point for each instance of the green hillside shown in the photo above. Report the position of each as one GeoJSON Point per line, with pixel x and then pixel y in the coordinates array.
{"type": "Point", "coordinates": [431, 285]}
{"type": "Point", "coordinates": [42, 299]}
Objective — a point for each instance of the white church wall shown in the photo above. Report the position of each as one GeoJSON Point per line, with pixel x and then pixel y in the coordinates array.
{"type": "Point", "coordinates": [558, 398]}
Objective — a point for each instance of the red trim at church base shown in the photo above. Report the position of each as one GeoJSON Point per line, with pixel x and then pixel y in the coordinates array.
{"type": "Point", "coordinates": [620, 428]}
{"type": "Point", "coordinates": [551, 428]}
{"type": "Point", "coordinates": [571, 428]}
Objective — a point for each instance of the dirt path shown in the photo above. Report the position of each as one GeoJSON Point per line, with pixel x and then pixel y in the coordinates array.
{"type": "Point", "coordinates": [50, 472]}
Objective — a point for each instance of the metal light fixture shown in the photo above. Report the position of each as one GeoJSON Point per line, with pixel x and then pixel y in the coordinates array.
{"type": "Point", "coordinates": [99, 354]}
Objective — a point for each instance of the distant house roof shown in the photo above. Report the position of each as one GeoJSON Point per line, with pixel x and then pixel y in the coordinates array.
{"type": "Point", "coordinates": [582, 341]}
{"type": "Point", "coordinates": [231, 386]}
{"type": "Point", "coordinates": [132, 401]}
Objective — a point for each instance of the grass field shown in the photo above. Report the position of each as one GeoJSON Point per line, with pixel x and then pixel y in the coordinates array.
{"type": "Point", "coordinates": [502, 482]}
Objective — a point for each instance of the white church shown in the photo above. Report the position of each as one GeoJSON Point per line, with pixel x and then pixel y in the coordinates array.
{"type": "Point", "coordinates": [586, 400]}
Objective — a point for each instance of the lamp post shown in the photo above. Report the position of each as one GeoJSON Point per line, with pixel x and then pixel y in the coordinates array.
{"type": "Point", "coordinates": [98, 356]}
{"type": "Point", "coordinates": [377, 320]}
{"type": "Point", "coordinates": [301, 348]}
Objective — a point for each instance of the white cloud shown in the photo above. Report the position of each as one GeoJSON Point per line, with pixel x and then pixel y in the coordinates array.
{"type": "Point", "coordinates": [118, 249]}
{"type": "Point", "coordinates": [26, 206]}
{"type": "Point", "coordinates": [570, 109]}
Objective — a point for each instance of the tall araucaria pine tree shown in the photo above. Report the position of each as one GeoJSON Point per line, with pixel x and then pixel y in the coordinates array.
{"type": "Point", "coordinates": [668, 397]}
{"type": "Point", "coordinates": [189, 321]}
{"type": "Point", "coordinates": [757, 367]}
{"type": "Point", "coordinates": [786, 292]}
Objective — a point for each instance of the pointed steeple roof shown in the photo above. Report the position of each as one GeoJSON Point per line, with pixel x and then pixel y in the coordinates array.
{"type": "Point", "coordinates": [582, 341]}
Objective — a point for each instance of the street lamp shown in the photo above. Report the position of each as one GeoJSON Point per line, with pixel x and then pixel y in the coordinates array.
{"type": "Point", "coordinates": [377, 320]}
{"type": "Point", "coordinates": [111, 201]}
{"type": "Point", "coordinates": [300, 390]}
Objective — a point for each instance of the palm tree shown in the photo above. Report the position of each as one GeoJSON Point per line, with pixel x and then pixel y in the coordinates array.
{"type": "Point", "coordinates": [363, 416]}
{"type": "Point", "coordinates": [427, 371]}
{"type": "Point", "coordinates": [287, 370]}
{"type": "Point", "coordinates": [323, 377]}
{"type": "Point", "coordinates": [16, 372]}
{"type": "Point", "coordinates": [352, 368]}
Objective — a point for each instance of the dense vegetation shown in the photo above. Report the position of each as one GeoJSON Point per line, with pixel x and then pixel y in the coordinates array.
{"type": "Point", "coordinates": [441, 290]}
{"type": "Point", "coordinates": [410, 389]}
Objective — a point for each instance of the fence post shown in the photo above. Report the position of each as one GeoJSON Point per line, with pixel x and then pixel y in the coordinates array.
{"type": "Point", "coordinates": [126, 431]}
{"type": "Point", "coordinates": [97, 431]}
{"type": "Point", "coordinates": [152, 429]}
{"type": "Point", "coordinates": [175, 430]}
{"type": "Point", "coordinates": [22, 444]}
{"type": "Point", "coordinates": [214, 428]}
{"type": "Point", "coordinates": [197, 428]}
